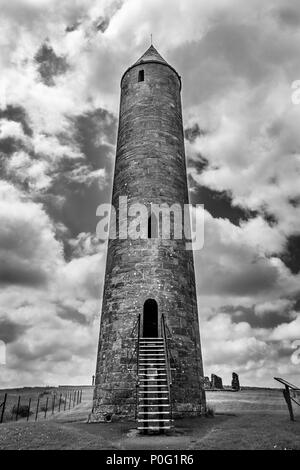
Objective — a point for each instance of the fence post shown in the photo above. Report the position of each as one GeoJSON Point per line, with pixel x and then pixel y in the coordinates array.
{"type": "Point", "coordinates": [46, 409]}
{"type": "Point", "coordinates": [69, 401]}
{"type": "Point", "coordinates": [37, 408]}
{"type": "Point", "coordinates": [18, 406]}
{"type": "Point", "coordinates": [29, 403]}
{"type": "Point", "coordinates": [59, 403]}
{"type": "Point", "coordinates": [287, 396]}
{"type": "Point", "coordinates": [53, 404]}
{"type": "Point", "coordinates": [80, 396]}
{"type": "Point", "coordinates": [74, 398]}
{"type": "Point", "coordinates": [3, 408]}
{"type": "Point", "coordinates": [65, 404]}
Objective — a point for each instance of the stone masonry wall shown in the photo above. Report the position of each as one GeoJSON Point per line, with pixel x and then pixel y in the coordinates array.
{"type": "Point", "coordinates": [150, 168]}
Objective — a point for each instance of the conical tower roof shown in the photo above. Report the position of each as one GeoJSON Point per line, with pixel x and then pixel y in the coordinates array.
{"type": "Point", "coordinates": [151, 54]}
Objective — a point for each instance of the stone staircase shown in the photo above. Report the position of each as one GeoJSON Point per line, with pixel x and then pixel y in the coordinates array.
{"type": "Point", "coordinates": [154, 412]}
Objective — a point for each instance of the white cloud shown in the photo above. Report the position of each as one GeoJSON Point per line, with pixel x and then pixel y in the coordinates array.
{"type": "Point", "coordinates": [29, 171]}
{"type": "Point", "coordinates": [83, 174]}
{"type": "Point", "coordinates": [11, 129]}
{"type": "Point", "coordinates": [287, 331]}
{"type": "Point", "coordinates": [28, 251]}
{"type": "Point", "coordinates": [45, 296]}
{"type": "Point", "coordinates": [273, 306]}
{"type": "Point", "coordinates": [237, 60]}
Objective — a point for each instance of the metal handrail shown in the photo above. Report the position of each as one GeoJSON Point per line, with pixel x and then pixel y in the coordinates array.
{"type": "Point", "coordinates": [136, 324]}
{"type": "Point", "coordinates": [138, 344]}
{"type": "Point", "coordinates": [137, 365]}
{"type": "Point", "coordinates": [169, 375]}
{"type": "Point", "coordinates": [288, 384]}
{"type": "Point", "coordinates": [167, 338]}
{"type": "Point", "coordinates": [287, 396]}
{"type": "Point", "coordinates": [133, 336]}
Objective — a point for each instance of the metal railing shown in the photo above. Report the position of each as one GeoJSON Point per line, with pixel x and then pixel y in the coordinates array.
{"type": "Point", "coordinates": [164, 328]}
{"type": "Point", "coordinates": [287, 395]}
{"type": "Point", "coordinates": [135, 333]}
{"type": "Point", "coordinates": [2, 408]}
{"type": "Point", "coordinates": [137, 367]}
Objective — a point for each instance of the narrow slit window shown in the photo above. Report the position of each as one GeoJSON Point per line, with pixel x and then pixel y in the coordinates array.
{"type": "Point", "coordinates": [152, 227]}
{"type": "Point", "coordinates": [141, 76]}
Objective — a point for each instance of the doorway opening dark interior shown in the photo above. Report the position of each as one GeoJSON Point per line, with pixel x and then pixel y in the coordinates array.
{"type": "Point", "coordinates": [150, 319]}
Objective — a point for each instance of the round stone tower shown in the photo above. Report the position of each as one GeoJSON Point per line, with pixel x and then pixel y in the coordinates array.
{"type": "Point", "coordinates": [149, 290]}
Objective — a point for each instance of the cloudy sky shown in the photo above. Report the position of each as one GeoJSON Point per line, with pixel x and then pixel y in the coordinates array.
{"type": "Point", "coordinates": [61, 63]}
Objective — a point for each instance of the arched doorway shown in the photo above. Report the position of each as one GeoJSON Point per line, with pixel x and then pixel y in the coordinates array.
{"type": "Point", "coordinates": [150, 319]}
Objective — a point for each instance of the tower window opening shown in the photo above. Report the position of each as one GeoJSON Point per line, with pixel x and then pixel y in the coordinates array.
{"type": "Point", "coordinates": [141, 76]}
{"type": "Point", "coordinates": [152, 227]}
{"type": "Point", "coordinates": [149, 227]}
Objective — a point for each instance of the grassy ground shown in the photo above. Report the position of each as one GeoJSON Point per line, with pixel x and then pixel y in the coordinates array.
{"type": "Point", "coordinates": [248, 431]}
{"type": "Point", "coordinates": [249, 401]}
{"type": "Point", "coordinates": [43, 394]}
{"type": "Point", "coordinates": [48, 435]}
{"type": "Point", "coordinates": [250, 419]}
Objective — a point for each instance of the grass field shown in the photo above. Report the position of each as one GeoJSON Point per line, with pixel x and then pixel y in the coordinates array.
{"type": "Point", "coordinates": [45, 396]}
{"type": "Point", "coordinates": [249, 419]}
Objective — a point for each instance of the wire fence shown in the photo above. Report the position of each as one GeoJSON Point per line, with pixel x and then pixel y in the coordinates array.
{"type": "Point", "coordinates": [37, 405]}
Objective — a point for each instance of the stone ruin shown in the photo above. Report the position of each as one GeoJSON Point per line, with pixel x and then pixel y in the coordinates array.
{"type": "Point", "coordinates": [235, 383]}
{"type": "Point", "coordinates": [207, 383]}
{"type": "Point", "coordinates": [216, 382]}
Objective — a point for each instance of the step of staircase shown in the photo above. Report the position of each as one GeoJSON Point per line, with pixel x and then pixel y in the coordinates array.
{"type": "Point", "coordinates": [150, 379]}
{"type": "Point", "coordinates": [155, 405]}
{"type": "Point", "coordinates": [151, 353]}
{"type": "Point", "coordinates": [153, 428]}
{"type": "Point", "coordinates": [151, 374]}
{"type": "Point", "coordinates": [151, 362]}
{"type": "Point", "coordinates": [152, 357]}
{"type": "Point", "coordinates": [145, 350]}
{"type": "Point", "coordinates": [150, 337]}
{"type": "Point", "coordinates": [154, 420]}
{"type": "Point", "coordinates": [153, 398]}
{"type": "Point", "coordinates": [153, 386]}
{"type": "Point", "coordinates": [147, 365]}
{"type": "Point", "coordinates": [151, 343]}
